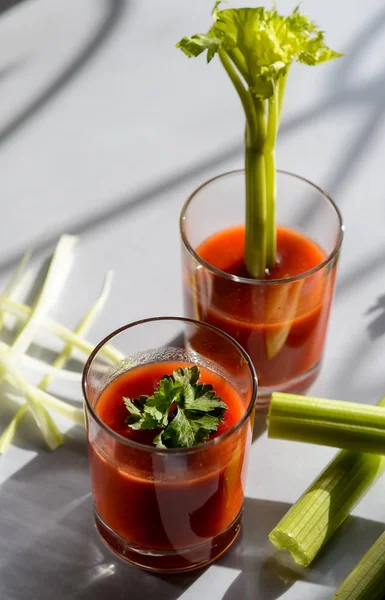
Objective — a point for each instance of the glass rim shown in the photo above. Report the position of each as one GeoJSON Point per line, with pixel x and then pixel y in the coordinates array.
{"type": "Point", "coordinates": [163, 451]}
{"type": "Point", "coordinates": [248, 280]}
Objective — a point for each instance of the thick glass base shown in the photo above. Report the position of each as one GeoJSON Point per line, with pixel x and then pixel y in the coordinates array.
{"type": "Point", "coordinates": [297, 385]}
{"type": "Point", "coordinates": [169, 561]}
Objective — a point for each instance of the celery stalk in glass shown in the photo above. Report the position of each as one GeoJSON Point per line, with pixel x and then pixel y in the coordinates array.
{"type": "Point", "coordinates": [256, 48]}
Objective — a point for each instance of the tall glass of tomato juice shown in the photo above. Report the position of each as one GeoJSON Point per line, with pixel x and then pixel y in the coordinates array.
{"type": "Point", "coordinates": [280, 320]}
{"type": "Point", "coordinates": [174, 509]}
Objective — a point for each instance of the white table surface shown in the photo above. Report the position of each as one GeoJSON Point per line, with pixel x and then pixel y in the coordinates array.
{"type": "Point", "coordinates": [105, 129]}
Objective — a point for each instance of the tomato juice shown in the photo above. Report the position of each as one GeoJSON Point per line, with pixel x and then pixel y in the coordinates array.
{"type": "Point", "coordinates": [176, 500]}
{"type": "Point", "coordinates": [281, 323]}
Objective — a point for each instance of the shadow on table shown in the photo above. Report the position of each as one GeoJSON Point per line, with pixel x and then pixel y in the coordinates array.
{"type": "Point", "coordinates": [260, 424]}
{"type": "Point", "coordinates": [377, 325]}
{"type": "Point", "coordinates": [365, 270]}
{"type": "Point", "coordinates": [48, 542]}
{"type": "Point", "coordinates": [111, 18]}
{"type": "Point", "coordinates": [266, 573]}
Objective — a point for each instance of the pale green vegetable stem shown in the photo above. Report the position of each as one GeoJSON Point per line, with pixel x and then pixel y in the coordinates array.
{"type": "Point", "coordinates": [14, 283]}
{"type": "Point", "coordinates": [315, 517]}
{"type": "Point", "coordinates": [22, 311]}
{"type": "Point", "coordinates": [334, 423]}
{"type": "Point", "coordinates": [53, 284]}
{"type": "Point", "coordinates": [44, 421]}
{"type": "Point", "coordinates": [61, 360]}
{"type": "Point", "coordinates": [367, 580]}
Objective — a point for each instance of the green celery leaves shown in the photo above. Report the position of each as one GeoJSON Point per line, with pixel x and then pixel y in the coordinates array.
{"type": "Point", "coordinates": [262, 44]}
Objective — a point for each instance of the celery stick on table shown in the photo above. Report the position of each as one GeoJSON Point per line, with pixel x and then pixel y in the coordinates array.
{"type": "Point", "coordinates": [367, 580]}
{"type": "Point", "coordinates": [327, 422]}
{"type": "Point", "coordinates": [315, 517]}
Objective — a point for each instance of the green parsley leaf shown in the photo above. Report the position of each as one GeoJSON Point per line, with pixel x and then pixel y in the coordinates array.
{"type": "Point", "coordinates": [179, 433]}
{"type": "Point", "coordinates": [132, 408]}
{"type": "Point", "coordinates": [185, 412]}
{"type": "Point", "coordinates": [190, 375]}
{"type": "Point", "coordinates": [202, 397]}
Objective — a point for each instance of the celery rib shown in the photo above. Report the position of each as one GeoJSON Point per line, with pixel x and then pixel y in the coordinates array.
{"type": "Point", "coordinates": [38, 365]}
{"type": "Point", "coordinates": [45, 422]}
{"type": "Point", "coordinates": [367, 580]}
{"type": "Point", "coordinates": [255, 231]}
{"type": "Point", "coordinates": [346, 425]}
{"type": "Point", "coordinates": [271, 183]}
{"type": "Point", "coordinates": [10, 431]}
{"type": "Point", "coordinates": [14, 283]}
{"type": "Point", "coordinates": [22, 312]}
{"type": "Point", "coordinates": [37, 396]}
{"type": "Point", "coordinates": [324, 506]}
{"type": "Point", "coordinates": [63, 408]}
{"type": "Point", "coordinates": [56, 276]}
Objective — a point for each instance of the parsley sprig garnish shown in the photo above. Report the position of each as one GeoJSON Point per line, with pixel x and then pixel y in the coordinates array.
{"type": "Point", "coordinates": [185, 411]}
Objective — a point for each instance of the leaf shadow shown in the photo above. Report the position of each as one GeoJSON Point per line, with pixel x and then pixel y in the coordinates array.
{"type": "Point", "coordinates": [113, 12]}
{"type": "Point", "coordinates": [376, 327]}
{"type": "Point", "coordinates": [48, 534]}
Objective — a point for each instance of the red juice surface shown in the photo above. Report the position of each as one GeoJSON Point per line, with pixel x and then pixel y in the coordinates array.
{"type": "Point", "coordinates": [282, 327]}
{"type": "Point", "coordinates": [296, 253]}
{"type": "Point", "coordinates": [166, 500]}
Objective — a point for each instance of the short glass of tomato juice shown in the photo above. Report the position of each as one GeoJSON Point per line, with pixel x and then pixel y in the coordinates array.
{"type": "Point", "coordinates": [280, 320]}
{"type": "Point", "coordinates": [167, 509]}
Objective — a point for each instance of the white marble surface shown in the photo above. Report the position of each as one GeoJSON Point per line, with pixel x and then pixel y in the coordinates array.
{"type": "Point", "coordinates": [104, 130]}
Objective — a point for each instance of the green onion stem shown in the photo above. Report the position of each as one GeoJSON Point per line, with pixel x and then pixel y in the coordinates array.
{"type": "Point", "coordinates": [334, 423]}
{"type": "Point", "coordinates": [325, 505]}
{"type": "Point", "coordinates": [367, 580]}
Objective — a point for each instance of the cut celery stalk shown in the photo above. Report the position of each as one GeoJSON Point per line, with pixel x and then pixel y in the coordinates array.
{"type": "Point", "coordinates": [83, 326]}
{"type": "Point", "coordinates": [18, 381]}
{"type": "Point", "coordinates": [22, 312]}
{"type": "Point", "coordinates": [10, 431]}
{"type": "Point", "coordinates": [367, 580]}
{"type": "Point", "coordinates": [35, 364]}
{"type": "Point", "coordinates": [14, 283]}
{"type": "Point", "coordinates": [53, 284]}
{"type": "Point", "coordinates": [70, 412]}
{"type": "Point", "coordinates": [57, 274]}
{"type": "Point", "coordinates": [327, 422]}
{"type": "Point", "coordinates": [45, 422]}
{"type": "Point", "coordinates": [325, 505]}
